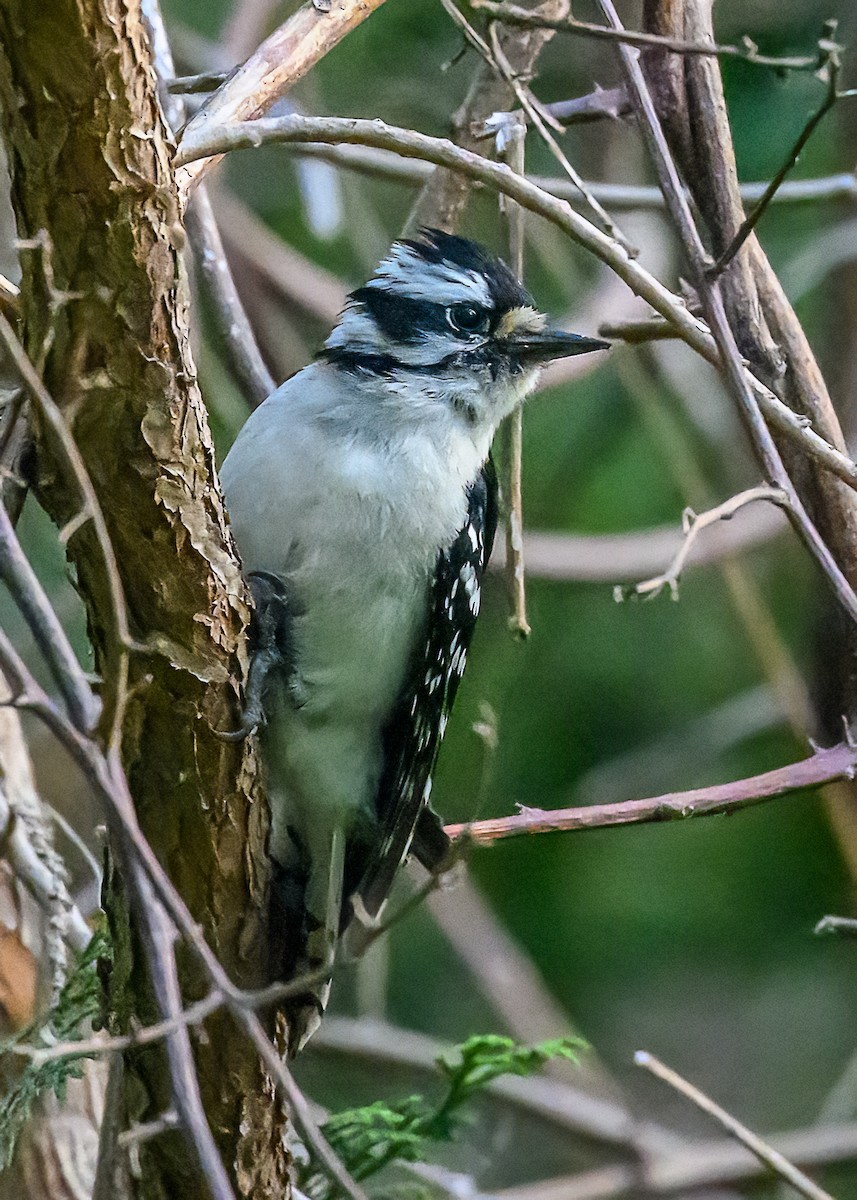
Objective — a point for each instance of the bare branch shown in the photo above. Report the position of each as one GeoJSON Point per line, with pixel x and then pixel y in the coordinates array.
{"type": "Point", "coordinates": [692, 525]}
{"type": "Point", "coordinates": [732, 363]}
{"type": "Point", "coordinates": [270, 71]}
{"type": "Point", "coordinates": [620, 196]}
{"type": "Point", "coordinates": [55, 420]}
{"type": "Point", "coordinates": [29, 595]}
{"type": "Point", "coordinates": [839, 762]}
{"type": "Point", "coordinates": [410, 144]}
{"type": "Point", "coordinates": [298, 280]}
{"type": "Point", "coordinates": [158, 934]}
{"type": "Point", "coordinates": [511, 14]}
{"type": "Point", "coordinates": [846, 925]}
{"type": "Point", "coordinates": [766, 1154]}
{"type": "Point", "coordinates": [832, 67]}
{"type": "Point", "coordinates": [242, 350]}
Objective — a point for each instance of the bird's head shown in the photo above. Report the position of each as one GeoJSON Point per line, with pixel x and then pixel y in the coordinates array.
{"type": "Point", "coordinates": [443, 321]}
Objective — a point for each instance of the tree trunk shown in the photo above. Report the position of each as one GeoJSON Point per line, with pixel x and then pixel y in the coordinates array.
{"type": "Point", "coordinates": [104, 318]}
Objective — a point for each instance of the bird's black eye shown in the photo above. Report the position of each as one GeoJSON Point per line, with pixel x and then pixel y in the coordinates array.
{"type": "Point", "coordinates": [467, 318]}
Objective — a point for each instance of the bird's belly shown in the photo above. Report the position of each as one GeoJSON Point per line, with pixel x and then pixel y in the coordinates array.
{"type": "Point", "coordinates": [353, 651]}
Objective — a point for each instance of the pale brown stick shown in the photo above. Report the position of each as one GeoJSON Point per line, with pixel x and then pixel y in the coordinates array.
{"type": "Point", "coordinates": [839, 762]}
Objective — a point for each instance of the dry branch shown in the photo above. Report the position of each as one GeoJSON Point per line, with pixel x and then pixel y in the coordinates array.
{"type": "Point", "coordinates": [511, 14]}
{"type": "Point", "coordinates": [766, 1154]}
{"type": "Point", "coordinates": [839, 762]}
{"type": "Point", "coordinates": [409, 144]}
{"type": "Point", "coordinates": [280, 61]}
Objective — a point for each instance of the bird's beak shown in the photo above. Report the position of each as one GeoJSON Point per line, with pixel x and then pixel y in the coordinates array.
{"type": "Point", "coordinates": [534, 348]}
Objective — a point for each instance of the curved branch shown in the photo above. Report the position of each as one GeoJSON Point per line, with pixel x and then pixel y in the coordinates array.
{"type": "Point", "coordinates": [247, 135]}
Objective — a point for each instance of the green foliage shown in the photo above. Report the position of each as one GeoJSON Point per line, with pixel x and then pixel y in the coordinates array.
{"type": "Point", "coordinates": [369, 1138]}
{"type": "Point", "coordinates": [78, 1007]}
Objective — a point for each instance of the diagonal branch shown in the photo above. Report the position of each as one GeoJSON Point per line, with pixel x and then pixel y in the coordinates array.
{"type": "Point", "coordinates": [280, 61]}
{"type": "Point", "coordinates": [766, 1154]}
{"type": "Point", "coordinates": [732, 362]}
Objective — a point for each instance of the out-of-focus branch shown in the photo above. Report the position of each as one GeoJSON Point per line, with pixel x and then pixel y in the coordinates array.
{"type": "Point", "coordinates": [239, 340]}
{"type": "Point", "coordinates": [563, 1105]}
{"type": "Point", "coordinates": [766, 1154]}
{"type": "Point", "coordinates": [839, 762]}
{"type": "Point", "coordinates": [703, 1165]}
{"type": "Point", "coordinates": [280, 61]}
{"type": "Point", "coordinates": [612, 557]}
{"type": "Point", "coordinates": [619, 196]}
{"type": "Point", "coordinates": [411, 144]}
{"type": "Point", "coordinates": [846, 925]}
{"type": "Point", "coordinates": [298, 280]}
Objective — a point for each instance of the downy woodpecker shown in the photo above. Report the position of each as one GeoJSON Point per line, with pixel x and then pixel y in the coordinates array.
{"type": "Point", "coordinates": [363, 503]}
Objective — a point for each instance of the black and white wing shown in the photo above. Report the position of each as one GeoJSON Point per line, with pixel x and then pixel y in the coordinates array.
{"type": "Point", "coordinates": [414, 732]}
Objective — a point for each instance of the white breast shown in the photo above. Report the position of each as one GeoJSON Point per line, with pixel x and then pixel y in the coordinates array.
{"type": "Point", "coordinates": [351, 508]}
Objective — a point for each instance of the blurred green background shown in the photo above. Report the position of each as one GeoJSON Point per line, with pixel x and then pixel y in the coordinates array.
{"type": "Point", "coordinates": [694, 941]}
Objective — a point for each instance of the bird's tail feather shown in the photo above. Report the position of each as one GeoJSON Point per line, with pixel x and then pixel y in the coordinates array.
{"type": "Point", "coordinates": [322, 906]}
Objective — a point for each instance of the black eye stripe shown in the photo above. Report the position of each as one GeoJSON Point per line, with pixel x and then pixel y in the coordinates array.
{"type": "Point", "coordinates": [404, 319]}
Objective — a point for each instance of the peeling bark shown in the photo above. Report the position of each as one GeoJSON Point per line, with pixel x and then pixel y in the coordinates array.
{"type": "Point", "coordinates": [104, 315]}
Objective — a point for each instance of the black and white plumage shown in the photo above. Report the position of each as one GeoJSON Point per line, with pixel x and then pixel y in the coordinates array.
{"type": "Point", "coordinates": [363, 503]}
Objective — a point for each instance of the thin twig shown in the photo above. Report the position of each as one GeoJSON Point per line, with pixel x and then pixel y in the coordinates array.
{"type": "Point", "coordinates": [158, 935]}
{"type": "Point", "coordinates": [613, 557]}
{"type": "Point", "coordinates": [442, 152]}
{"type": "Point", "coordinates": [692, 526]}
{"type": "Point", "coordinates": [499, 63]}
{"type": "Point", "coordinates": [752, 219]}
{"type": "Point", "coordinates": [512, 432]}
{"type": "Point", "coordinates": [838, 762]}
{"type": "Point", "coordinates": [511, 14]}
{"type": "Point", "coordinates": [766, 1154]}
